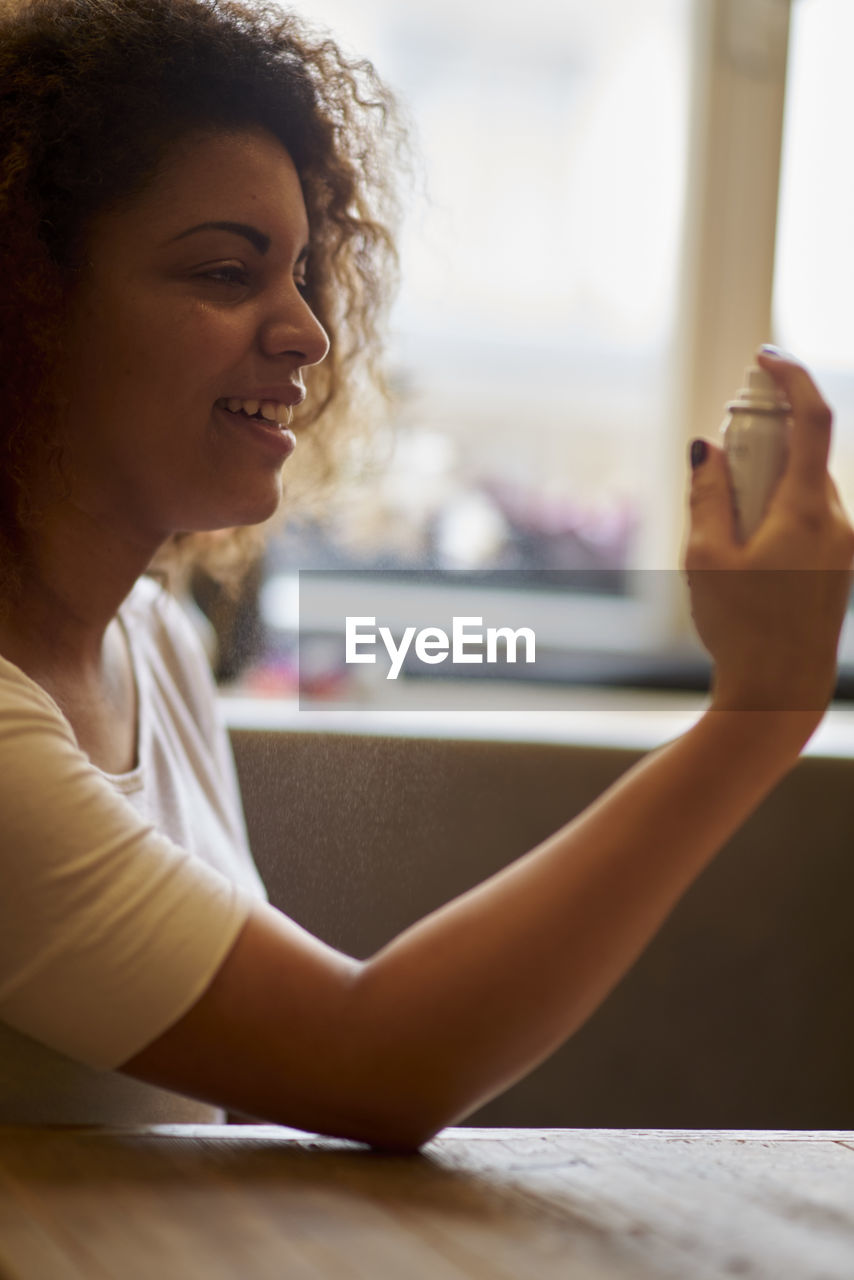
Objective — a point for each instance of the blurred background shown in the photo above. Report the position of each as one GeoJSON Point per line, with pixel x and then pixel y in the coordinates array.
{"type": "Point", "coordinates": [620, 202]}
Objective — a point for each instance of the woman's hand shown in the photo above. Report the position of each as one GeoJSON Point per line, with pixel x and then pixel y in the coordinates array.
{"type": "Point", "coordinates": [770, 612]}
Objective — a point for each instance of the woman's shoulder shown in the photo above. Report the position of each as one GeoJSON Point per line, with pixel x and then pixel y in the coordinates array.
{"type": "Point", "coordinates": [25, 705]}
{"type": "Point", "coordinates": [154, 612]}
{"type": "Point", "coordinates": [167, 641]}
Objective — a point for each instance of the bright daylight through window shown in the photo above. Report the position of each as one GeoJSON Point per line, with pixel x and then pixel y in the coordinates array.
{"type": "Point", "coordinates": [543, 339]}
{"type": "Point", "coordinates": [815, 246]}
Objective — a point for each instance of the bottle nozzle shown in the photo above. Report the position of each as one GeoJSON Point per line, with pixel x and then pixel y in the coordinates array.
{"type": "Point", "coordinates": [756, 380]}
{"type": "Point", "coordinates": [760, 391]}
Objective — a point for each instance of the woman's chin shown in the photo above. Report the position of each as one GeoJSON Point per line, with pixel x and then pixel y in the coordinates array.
{"type": "Point", "coordinates": [254, 510]}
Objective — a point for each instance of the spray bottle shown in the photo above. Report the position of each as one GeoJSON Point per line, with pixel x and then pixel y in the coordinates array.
{"type": "Point", "coordinates": [756, 444]}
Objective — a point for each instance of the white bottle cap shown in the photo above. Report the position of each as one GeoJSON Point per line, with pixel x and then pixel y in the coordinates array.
{"type": "Point", "coordinates": [760, 392]}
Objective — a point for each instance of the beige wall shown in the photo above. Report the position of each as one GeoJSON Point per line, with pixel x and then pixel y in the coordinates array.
{"type": "Point", "coordinates": [738, 1015]}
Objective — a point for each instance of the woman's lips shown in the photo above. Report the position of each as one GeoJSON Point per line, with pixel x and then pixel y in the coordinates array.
{"type": "Point", "coordinates": [279, 438]}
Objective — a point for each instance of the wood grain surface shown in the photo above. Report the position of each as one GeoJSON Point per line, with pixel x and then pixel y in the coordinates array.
{"type": "Point", "coordinates": [256, 1201]}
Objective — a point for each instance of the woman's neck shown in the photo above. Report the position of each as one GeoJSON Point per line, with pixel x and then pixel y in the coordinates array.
{"type": "Point", "coordinates": [74, 576]}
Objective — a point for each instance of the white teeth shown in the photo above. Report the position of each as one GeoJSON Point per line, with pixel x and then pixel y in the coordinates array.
{"type": "Point", "coordinates": [281, 414]}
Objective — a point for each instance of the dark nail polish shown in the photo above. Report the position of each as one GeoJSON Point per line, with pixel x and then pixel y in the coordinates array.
{"type": "Point", "coordinates": [699, 452]}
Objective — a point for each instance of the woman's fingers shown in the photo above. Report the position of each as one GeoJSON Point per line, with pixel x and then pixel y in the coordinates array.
{"type": "Point", "coordinates": [712, 519]}
{"type": "Point", "coordinates": [771, 620]}
{"type": "Point", "coordinates": [812, 421]}
{"type": "Point", "coordinates": [826, 538]}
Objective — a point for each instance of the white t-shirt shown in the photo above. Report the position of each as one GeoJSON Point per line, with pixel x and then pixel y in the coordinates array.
{"type": "Point", "coordinates": [120, 895]}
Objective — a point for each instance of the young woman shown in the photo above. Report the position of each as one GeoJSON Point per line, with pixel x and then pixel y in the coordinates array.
{"type": "Point", "coordinates": [193, 228]}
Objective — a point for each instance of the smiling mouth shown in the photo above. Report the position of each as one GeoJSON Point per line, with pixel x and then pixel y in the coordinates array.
{"type": "Point", "coordinates": [280, 415]}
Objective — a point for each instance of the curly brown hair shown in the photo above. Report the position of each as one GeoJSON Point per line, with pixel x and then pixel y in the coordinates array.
{"type": "Point", "coordinates": [93, 93]}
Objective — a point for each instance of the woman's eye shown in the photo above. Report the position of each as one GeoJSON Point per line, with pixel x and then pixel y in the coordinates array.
{"type": "Point", "coordinates": [236, 276]}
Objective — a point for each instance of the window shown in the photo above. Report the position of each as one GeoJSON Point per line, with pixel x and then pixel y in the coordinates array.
{"type": "Point", "coordinates": [582, 288]}
{"type": "Point", "coordinates": [814, 278]}
{"type": "Point", "coordinates": [814, 281]}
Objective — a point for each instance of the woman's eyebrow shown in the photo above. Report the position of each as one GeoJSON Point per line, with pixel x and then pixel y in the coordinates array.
{"type": "Point", "coordinates": [255, 237]}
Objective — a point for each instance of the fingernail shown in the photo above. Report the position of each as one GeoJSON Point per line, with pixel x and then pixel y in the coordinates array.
{"type": "Point", "coordinates": [768, 349]}
{"type": "Point", "coordinates": [699, 452]}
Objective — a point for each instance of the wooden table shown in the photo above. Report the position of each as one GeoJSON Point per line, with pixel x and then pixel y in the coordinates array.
{"type": "Point", "coordinates": [200, 1203]}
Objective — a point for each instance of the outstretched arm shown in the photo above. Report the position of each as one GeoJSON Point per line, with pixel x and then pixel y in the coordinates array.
{"type": "Point", "coordinates": [474, 996]}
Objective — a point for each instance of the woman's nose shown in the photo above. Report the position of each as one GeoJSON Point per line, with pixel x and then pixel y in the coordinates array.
{"type": "Point", "coordinates": [294, 329]}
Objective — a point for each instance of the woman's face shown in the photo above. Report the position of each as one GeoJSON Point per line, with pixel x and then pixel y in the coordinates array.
{"type": "Point", "coordinates": [191, 299]}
